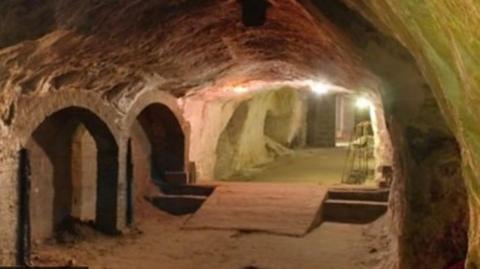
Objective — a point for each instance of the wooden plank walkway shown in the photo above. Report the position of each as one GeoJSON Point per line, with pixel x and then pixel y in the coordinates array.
{"type": "Point", "coordinates": [289, 209]}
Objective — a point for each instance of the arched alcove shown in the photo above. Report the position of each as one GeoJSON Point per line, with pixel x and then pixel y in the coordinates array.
{"type": "Point", "coordinates": [157, 144]}
{"type": "Point", "coordinates": [66, 148]}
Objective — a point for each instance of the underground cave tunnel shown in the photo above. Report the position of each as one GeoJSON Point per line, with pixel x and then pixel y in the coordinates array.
{"type": "Point", "coordinates": [240, 134]}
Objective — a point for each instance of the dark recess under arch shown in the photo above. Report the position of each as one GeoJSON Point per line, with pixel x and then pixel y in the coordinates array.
{"type": "Point", "coordinates": [52, 141]}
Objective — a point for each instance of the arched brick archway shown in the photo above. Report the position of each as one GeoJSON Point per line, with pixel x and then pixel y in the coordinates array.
{"type": "Point", "coordinates": [148, 98]}
{"type": "Point", "coordinates": [169, 105]}
{"type": "Point", "coordinates": [32, 111]}
{"type": "Point", "coordinates": [51, 159]}
{"type": "Point", "coordinates": [158, 143]}
{"type": "Point", "coordinates": [47, 128]}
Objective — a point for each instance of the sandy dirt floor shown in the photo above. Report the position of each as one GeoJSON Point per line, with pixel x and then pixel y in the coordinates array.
{"type": "Point", "coordinates": [160, 242]}
{"type": "Point", "coordinates": [323, 166]}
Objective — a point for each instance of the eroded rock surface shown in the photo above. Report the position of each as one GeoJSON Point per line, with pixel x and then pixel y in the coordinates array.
{"type": "Point", "coordinates": [118, 48]}
{"type": "Point", "coordinates": [443, 37]}
{"type": "Point", "coordinates": [199, 51]}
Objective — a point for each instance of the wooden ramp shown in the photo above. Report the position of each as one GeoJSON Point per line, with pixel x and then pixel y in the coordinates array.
{"type": "Point", "coordinates": [288, 209]}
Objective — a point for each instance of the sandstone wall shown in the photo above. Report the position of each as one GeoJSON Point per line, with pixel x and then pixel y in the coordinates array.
{"type": "Point", "coordinates": [424, 232]}
{"type": "Point", "coordinates": [440, 35]}
{"type": "Point", "coordinates": [101, 55]}
{"type": "Point", "coordinates": [233, 134]}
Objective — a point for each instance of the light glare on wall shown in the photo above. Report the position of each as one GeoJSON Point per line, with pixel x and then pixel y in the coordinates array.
{"type": "Point", "coordinates": [363, 103]}
{"type": "Point", "coordinates": [320, 88]}
{"type": "Point", "coordinates": [240, 89]}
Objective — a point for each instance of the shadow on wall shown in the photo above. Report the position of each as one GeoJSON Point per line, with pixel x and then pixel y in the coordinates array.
{"type": "Point", "coordinates": [437, 219]}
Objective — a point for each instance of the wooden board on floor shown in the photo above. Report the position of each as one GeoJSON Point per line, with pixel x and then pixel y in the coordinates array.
{"type": "Point", "coordinates": [289, 209]}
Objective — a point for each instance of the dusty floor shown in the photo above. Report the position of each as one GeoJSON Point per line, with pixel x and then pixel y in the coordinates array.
{"type": "Point", "coordinates": [163, 244]}
{"type": "Point", "coordinates": [160, 241]}
{"type": "Point", "coordinates": [324, 166]}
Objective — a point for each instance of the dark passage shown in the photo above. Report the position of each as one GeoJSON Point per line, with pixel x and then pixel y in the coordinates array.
{"type": "Point", "coordinates": [254, 12]}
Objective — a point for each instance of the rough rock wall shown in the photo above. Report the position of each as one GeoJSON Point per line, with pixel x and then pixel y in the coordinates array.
{"type": "Point", "coordinates": [428, 186]}
{"type": "Point", "coordinates": [285, 118]}
{"type": "Point", "coordinates": [207, 119]}
{"type": "Point", "coordinates": [118, 48]}
{"type": "Point", "coordinates": [443, 37]}
{"type": "Point", "coordinates": [103, 55]}
{"type": "Point", "coordinates": [233, 134]}
{"type": "Point", "coordinates": [18, 18]}
{"type": "Point", "coordinates": [437, 222]}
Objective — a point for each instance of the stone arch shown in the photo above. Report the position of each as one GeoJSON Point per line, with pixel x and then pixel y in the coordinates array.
{"type": "Point", "coordinates": [46, 127]}
{"type": "Point", "coordinates": [31, 111]}
{"type": "Point", "coordinates": [168, 101]}
{"type": "Point", "coordinates": [158, 145]}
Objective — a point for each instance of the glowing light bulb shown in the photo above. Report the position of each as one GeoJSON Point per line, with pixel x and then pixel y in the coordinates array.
{"type": "Point", "coordinates": [240, 89]}
{"type": "Point", "coordinates": [363, 103]}
{"type": "Point", "coordinates": [320, 88]}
